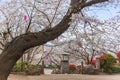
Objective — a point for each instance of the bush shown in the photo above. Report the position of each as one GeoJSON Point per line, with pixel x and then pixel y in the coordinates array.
{"type": "Point", "coordinates": [90, 69]}
{"type": "Point", "coordinates": [19, 68]}
{"type": "Point", "coordinates": [72, 67]}
{"type": "Point", "coordinates": [109, 61]}
{"type": "Point", "coordinates": [118, 55]}
{"type": "Point", "coordinates": [35, 66]}
{"type": "Point", "coordinates": [34, 70]}
{"type": "Point", "coordinates": [116, 69]}
{"type": "Point", "coordinates": [52, 66]}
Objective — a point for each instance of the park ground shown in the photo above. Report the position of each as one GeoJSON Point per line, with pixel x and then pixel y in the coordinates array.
{"type": "Point", "coordinates": [64, 77]}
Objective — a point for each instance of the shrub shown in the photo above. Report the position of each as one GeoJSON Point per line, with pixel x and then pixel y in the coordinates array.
{"type": "Point", "coordinates": [52, 66]}
{"type": "Point", "coordinates": [116, 69]}
{"type": "Point", "coordinates": [72, 67]}
{"type": "Point", "coordinates": [109, 61]}
{"type": "Point", "coordinates": [34, 70]}
{"type": "Point", "coordinates": [19, 68]}
{"type": "Point", "coordinates": [118, 55]}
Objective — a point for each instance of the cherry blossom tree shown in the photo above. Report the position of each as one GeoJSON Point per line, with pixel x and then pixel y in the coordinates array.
{"type": "Point", "coordinates": [44, 22]}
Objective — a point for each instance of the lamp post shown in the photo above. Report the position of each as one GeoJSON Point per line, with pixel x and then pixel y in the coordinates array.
{"type": "Point", "coordinates": [65, 63]}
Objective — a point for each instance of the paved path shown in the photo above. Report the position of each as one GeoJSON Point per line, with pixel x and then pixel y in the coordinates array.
{"type": "Point", "coordinates": [65, 77]}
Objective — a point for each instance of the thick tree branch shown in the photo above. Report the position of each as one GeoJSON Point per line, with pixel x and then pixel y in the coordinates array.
{"type": "Point", "coordinates": [39, 38]}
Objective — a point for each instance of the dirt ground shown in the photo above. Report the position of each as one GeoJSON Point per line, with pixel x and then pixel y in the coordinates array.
{"type": "Point", "coordinates": [64, 77]}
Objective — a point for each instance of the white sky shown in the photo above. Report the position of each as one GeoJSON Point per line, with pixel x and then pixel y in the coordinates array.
{"type": "Point", "coordinates": [103, 13]}
{"type": "Point", "coordinates": [4, 1]}
{"type": "Point", "coordinates": [100, 13]}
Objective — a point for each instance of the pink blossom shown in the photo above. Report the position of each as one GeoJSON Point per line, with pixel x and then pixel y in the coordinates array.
{"type": "Point", "coordinates": [25, 17]}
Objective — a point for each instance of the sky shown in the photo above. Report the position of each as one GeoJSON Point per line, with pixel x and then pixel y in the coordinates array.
{"type": "Point", "coordinates": [102, 14]}
{"type": "Point", "coordinates": [105, 13]}
{"type": "Point", "coordinates": [2, 1]}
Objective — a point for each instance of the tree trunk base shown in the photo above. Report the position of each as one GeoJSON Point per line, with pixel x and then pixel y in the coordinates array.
{"type": "Point", "coordinates": [2, 77]}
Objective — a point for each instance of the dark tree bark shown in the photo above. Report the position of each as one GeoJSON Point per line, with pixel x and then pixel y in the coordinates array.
{"type": "Point", "coordinates": [15, 49]}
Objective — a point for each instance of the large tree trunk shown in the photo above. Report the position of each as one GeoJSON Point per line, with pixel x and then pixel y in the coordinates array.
{"type": "Point", "coordinates": [15, 49]}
